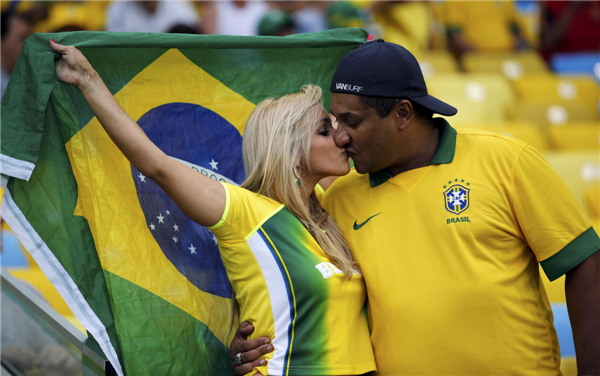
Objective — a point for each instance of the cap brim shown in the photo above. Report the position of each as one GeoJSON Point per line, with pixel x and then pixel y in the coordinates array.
{"type": "Point", "coordinates": [435, 105]}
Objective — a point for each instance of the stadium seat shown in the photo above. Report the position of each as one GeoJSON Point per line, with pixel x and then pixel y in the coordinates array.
{"type": "Point", "coordinates": [580, 170]}
{"type": "Point", "coordinates": [592, 201]}
{"type": "Point", "coordinates": [575, 136]}
{"type": "Point", "coordinates": [12, 242]}
{"type": "Point", "coordinates": [550, 113]}
{"type": "Point", "coordinates": [12, 255]}
{"type": "Point", "coordinates": [577, 63]}
{"type": "Point", "coordinates": [479, 97]}
{"type": "Point", "coordinates": [22, 266]}
{"type": "Point", "coordinates": [34, 277]}
{"type": "Point", "coordinates": [511, 65]}
{"type": "Point", "coordinates": [559, 89]}
{"type": "Point", "coordinates": [435, 63]}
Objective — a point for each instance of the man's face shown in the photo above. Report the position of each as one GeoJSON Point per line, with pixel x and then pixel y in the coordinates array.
{"type": "Point", "coordinates": [370, 141]}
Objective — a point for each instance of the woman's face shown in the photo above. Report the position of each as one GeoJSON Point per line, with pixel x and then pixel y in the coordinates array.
{"type": "Point", "coordinates": [326, 158]}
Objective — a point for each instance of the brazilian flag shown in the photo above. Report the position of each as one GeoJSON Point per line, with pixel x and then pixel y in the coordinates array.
{"type": "Point", "coordinates": [146, 282]}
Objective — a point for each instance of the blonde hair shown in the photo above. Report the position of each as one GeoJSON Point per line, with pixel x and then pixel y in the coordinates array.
{"type": "Point", "coordinates": [277, 136]}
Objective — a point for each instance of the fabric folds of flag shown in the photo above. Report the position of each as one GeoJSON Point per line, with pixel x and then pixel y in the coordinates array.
{"type": "Point", "coordinates": [146, 282]}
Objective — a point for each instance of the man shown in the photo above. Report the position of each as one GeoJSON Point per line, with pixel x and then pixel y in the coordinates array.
{"type": "Point", "coordinates": [448, 227]}
{"type": "Point", "coordinates": [15, 29]}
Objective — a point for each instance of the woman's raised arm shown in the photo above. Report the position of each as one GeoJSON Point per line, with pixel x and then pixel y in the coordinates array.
{"type": "Point", "coordinates": [199, 197]}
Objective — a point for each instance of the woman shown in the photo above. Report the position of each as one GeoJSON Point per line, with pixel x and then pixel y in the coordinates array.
{"type": "Point", "coordinates": [288, 263]}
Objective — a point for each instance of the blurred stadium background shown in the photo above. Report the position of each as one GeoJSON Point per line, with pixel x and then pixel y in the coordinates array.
{"type": "Point", "coordinates": [527, 69]}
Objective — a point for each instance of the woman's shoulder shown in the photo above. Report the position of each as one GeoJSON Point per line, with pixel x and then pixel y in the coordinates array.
{"type": "Point", "coordinates": [237, 192]}
{"type": "Point", "coordinates": [249, 204]}
{"type": "Point", "coordinates": [244, 211]}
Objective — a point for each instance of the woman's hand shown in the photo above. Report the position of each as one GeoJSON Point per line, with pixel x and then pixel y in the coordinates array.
{"type": "Point", "coordinates": [199, 197]}
{"type": "Point", "coordinates": [73, 69]}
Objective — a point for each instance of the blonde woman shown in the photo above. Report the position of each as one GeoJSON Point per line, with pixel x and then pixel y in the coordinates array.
{"type": "Point", "coordinates": [289, 265]}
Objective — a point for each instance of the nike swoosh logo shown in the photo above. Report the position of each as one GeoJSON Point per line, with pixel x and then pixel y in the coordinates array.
{"type": "Point", "coordinates": [358, 226]}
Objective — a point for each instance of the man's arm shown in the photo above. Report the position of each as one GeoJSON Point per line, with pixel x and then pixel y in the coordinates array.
{"type": "Point", "coordinates": [582, 287]}
{"type": "Point", "coordinates": [251, 350]}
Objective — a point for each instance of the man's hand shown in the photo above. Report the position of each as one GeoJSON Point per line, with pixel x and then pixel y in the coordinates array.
{"type": "Point", "coordinates": [251, 350]}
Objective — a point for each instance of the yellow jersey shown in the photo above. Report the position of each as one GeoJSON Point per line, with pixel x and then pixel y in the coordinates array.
{"type": "Point", "coordinates": [450, 254]}
{"type": "Point", "coordinates": [291, 292]}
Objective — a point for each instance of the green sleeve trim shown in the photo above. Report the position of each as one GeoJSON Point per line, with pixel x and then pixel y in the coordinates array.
{"type": "Point", "coordinates": [319, 188]}
{"type": "Point", "coordinates": [225, 212]}
{"type": "Point", "coordinates": [572, 254]}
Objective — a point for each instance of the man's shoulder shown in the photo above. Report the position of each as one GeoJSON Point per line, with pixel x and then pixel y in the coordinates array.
{"type": "Point", "coordinates": [486, 138]}
{"type": "Point", "coordinates": [488, 143]}
{"type": "Point", "coordinates": [344, 186]}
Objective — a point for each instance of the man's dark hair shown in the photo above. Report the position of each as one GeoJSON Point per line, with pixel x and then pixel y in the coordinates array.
{"type": "Point", "coordinates": [383, 106]}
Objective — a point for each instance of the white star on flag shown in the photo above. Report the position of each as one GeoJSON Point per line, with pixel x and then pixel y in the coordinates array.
{"type": "Point", "coordinates": [192, 249]}
{"type": "Point", "coordinates": [174, 239]}
{"type": "Point", "coordinates": [152, 227]}
{"type": "Point", "coordinates": [160, 218]}
{"type": "Point", "coordinates": [142, 177]}
{"type": "Point", "coordinates": [213, 164]}
{"type": "Point", "coordinates": [168, 212]}
{"type": "Point", "coordinates": [214, 238]}
{"type": "Point", "coordinates": [175, 227]}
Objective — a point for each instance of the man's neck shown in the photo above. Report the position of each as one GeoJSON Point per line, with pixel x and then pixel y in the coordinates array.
{"type": "Point", "coordinates": [425, 148]}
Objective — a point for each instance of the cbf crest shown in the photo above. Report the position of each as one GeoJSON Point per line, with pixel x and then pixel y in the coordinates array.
{"type": "Point", "coordinates": [456, 197]}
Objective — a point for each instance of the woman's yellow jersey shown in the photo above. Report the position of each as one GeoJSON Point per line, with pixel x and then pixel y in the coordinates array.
{"type": "Point", "coordinates": [291, 292]}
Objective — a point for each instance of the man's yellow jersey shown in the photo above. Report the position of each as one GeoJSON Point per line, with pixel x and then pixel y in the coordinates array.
{"type": "Point", "coordinates": [450, 254]}
{"type": "Point", "coordinates": [291, 292]}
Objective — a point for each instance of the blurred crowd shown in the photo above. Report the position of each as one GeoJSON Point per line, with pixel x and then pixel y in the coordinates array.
{"type": "Point", "coordinates": [421, 26]}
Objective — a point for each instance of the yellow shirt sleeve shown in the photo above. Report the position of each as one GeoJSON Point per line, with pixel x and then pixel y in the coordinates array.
{"type": "Point", "coordinates": [243, 211]}
{"type": "Point", "coordinates": [549, 216]}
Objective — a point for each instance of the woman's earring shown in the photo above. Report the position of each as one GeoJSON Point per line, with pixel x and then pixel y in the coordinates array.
{"type": "Point", "coordinates": [297, 175]}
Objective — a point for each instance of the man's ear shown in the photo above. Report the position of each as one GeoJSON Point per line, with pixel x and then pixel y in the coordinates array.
{"type": "Point", "coordinates": [404, 113]}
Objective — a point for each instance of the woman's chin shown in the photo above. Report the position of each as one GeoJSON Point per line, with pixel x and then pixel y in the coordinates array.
{"type": "Point", "coordinates": [344, 171]}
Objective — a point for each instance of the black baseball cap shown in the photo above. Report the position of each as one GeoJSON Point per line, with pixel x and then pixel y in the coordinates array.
{"type": "Point", "coordinates": [383, 69]}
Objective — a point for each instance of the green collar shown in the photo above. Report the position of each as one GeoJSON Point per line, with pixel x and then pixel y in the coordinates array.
{"type": "Point", "coordinates": [443, 155]}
